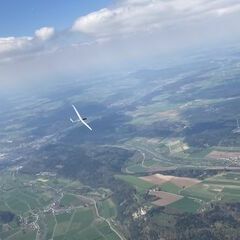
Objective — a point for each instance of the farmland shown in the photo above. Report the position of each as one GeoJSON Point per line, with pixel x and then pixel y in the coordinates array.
{"type": "Point", "coordinates": [140, 185]}
{"type": "Point", "coordinates": [107, 208]}
{"type": "Point", "coordinates": [223, 187]}
{"type": "Point", "coordinates": [174, 137]}
{"type": "Point", "coordinates": [180, 182]}
{"type": "Point", "coordinates": [187, 194]}
{"type": "Point", "coordinates": [164, 198]}
{"type": "Point", "coordinates": [44, 209]}
{"type": "Point", "coordinates": [224, 155]}
{"type": "Point", "coordinates": [186, 204]}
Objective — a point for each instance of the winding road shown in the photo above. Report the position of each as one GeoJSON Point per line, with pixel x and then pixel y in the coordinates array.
{"type": "Point", "coordinates": [104, 219]}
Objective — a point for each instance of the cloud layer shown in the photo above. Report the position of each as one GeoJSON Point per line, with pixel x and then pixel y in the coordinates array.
{"type": "Point", "coordinates": [132, 16]}
{"type": "Point", "coordinates": [11, 47]}
{"type": "Point", "coordinates": [128, 31]}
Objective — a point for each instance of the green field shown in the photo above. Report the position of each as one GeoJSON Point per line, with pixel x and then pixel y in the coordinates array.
{"type": "Point", "coordinates": [224, 187]}
{"type": "Point", "coordinates": [70, 200]}
{"type": "Point", "coordinates": [23, 235]}
{"type": "Point", "coordinates": [199, 191]}
{"type": "Point", "coordinates": [63, 221]}
{"type": "Point", "coordinates": [83, 226]}
{"type": "Point", "coordinates": [82, 219]}
{"type": "Point", "coordinates": [186, 205]}
{"type": "Point", "coordinates": [107, 208]}
{"type": "Point", "coordinates": [170, 187]}
{"type": "Point", "coordinates": [51, 223]}
{"type": "Point", "coordinates": [7, 234]}
{"type": "Point", "coordinates": [104, 229]}
{"type": "Point", "coordinates": [140, 185]}
{"type": "Point", "coordinates": [27, 197]}
{"type": "Point", "coordinates": [231, 191]}
{"type": "Point", "coordinates": [17, 205]}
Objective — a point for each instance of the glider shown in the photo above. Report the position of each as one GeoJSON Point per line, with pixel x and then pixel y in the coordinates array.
{"type": "Point", "coordinates": [80, 119]}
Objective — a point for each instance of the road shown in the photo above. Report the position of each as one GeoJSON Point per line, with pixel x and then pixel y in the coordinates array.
{"type": "Point", "coordinates": [104, 219]}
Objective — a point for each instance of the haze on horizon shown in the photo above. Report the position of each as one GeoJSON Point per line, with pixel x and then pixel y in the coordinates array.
{"type": "Point", "coordinates": [115, 35]}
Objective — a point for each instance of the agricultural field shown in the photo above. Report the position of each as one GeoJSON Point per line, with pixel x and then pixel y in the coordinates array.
{"type": "Point", "coordinates": [140, 185]}
{"type": "Point", "coordinates": [152, 154]}
{"type": "Point", "coordinates": [107, 208]}
{"type": "Point", "coordinates": [30, 208]}
{"type": "Point", "coordinates": [228, 155]}
{"type": "Point", "coordinates": [181, 182]}
{"type": "Point", "coordinates": [164, 198]}
{"type": "Point", "coordinates": [152, 112]}
{"type": "Point", "coordinates": [186, 204]}
{"type": "Point", "coordinates": [170, 187]}
{"type": "Point", "coordinates": [70, 200]}
{"type": "Point", "coordinates": [187, 194]}
{"type": "Point", "coordinates": [224, 187]}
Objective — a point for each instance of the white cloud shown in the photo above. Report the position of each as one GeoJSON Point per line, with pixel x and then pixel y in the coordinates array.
{"type": "Point", "coordinates": [45, 33]}
{"type": "Point", "coordinates": [15, 46]}
{"type": "Point", "coordinates": [228, 10]}
{"type": "Point", "coordinates": [126, 19]}
{"type": "Point", "coordinates": [132, 16]}
{"type": "Point", "coordinates": [10, 44]}
{"type": "Point", "coordinates": [127, 34]}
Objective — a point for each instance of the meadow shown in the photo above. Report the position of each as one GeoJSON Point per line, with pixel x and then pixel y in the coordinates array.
{"type": "Point", "coordinates": [51, 209]}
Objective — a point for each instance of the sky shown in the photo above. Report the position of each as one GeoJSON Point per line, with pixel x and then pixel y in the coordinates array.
{"type": "Point", "coordinates": [21, 18]}
{"type": "Point", "coordinates": [45, 39]}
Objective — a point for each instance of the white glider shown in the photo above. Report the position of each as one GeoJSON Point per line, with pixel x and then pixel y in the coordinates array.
{"type": "Point", "coordinates": [80, 119]}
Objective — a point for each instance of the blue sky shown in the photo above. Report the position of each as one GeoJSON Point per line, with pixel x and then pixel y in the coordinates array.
{"type": "Point", "coordinates": [23, 17]}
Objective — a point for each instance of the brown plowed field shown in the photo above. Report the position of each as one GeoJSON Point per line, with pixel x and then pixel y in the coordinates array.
{"type": "Point", "coordinates": [160, 179]}
{"type": "Point", "coordinates": [165, 198]}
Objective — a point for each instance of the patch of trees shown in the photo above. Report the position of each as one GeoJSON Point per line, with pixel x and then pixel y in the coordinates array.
{"type": "Point", "coordinates": [192, 172]}
{"type": "Point", "coordinates": [6, 216]}
{"type": "Point", "coordinates": [125, 199]}
{"type": "Point", "coordinates": [220, 222]}
{"type": "Point", "coordinates": [92, 165]}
